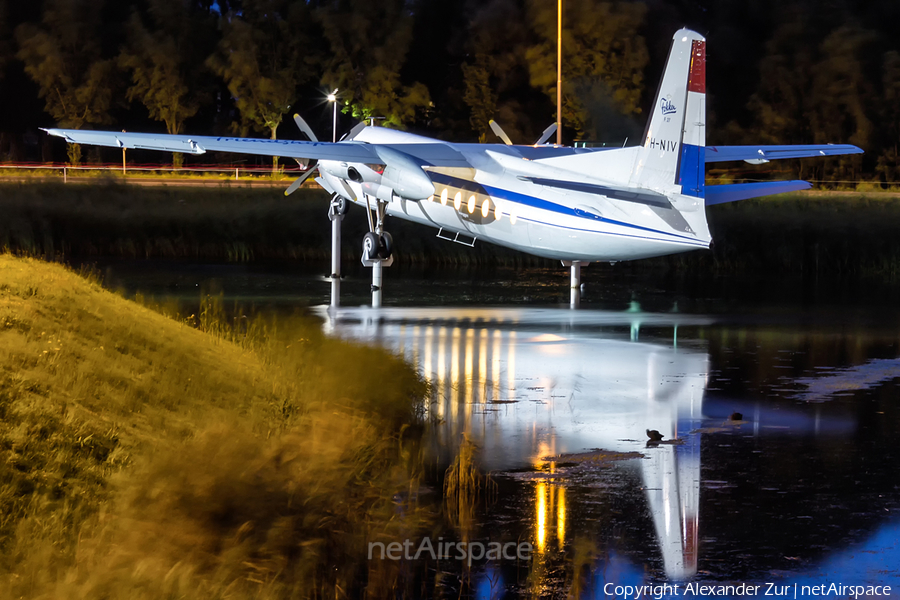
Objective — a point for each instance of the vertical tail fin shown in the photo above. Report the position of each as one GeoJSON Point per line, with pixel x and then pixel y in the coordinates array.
{"type": "Point", "coordinates": [671, 157]}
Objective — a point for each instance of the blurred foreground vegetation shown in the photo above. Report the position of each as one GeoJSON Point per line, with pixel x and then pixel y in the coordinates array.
{"type": "Point", "coordinates": [146, 457]}
{"type": "Point", "coordinates": [834, 233]}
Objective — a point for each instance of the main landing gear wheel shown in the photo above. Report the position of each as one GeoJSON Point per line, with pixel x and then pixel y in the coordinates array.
{"type": "Point", "coordinates": [387, 245]}
{"type": "Point", "coordinates": [371, 245]}
{"type": "Point", "coordinates": [375, 246]}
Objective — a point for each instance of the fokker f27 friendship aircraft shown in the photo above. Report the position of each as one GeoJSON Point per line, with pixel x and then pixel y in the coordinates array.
{"type": "Point", "coordinates": [576, 205]}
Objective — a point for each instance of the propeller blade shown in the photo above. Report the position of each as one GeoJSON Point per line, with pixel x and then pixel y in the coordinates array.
{"type": "Point", "coordinates": [305, 128]}
{"type": "Point", "coordinates": [298, 182]}
{"type": "Point", "coordinates": [499, 132]}
{"type": "Point", "coordinates": [355, 131]}
{"type": "Point", "coordinates": [546, 135]}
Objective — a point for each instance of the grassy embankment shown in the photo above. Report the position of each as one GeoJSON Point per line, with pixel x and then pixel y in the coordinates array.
{"type": "Point", "coordinates": [842, 233]}
{"type": "Point", "coordinates": [143, 458]}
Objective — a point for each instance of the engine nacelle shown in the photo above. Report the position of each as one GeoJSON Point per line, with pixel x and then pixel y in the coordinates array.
{"type": "Point", "coordinates": [377, 190]}
{"type": "Point", "coordinates": [403, 175]}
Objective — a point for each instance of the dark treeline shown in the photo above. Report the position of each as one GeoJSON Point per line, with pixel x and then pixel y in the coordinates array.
{"type": "Point", "coordinates": [785, 71]}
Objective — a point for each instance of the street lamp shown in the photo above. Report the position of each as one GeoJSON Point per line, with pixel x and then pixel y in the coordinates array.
{"type": "Point", "coordinates": [559, 16]}
{"type": "Point", "coordinates": [332, 97]}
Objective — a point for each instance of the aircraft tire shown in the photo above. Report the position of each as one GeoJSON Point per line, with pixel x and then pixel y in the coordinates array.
{"type": "Point", "coordinates": [341, 205]}
{"type": "Point", "coordinates": [386, 246]}
{"type": "Point", "coordinates": [371, 245]}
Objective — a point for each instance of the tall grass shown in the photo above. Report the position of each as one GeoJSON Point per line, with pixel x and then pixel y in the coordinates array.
{"type": "Point", "coordinates": [839, 233]}
{"type": "Point", "coordinates": [146, 457]}
{"type": "Point", "coordinates": [222, 223]}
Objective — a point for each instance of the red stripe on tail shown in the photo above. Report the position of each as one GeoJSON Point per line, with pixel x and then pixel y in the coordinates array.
{"type": "Point", "coordinates": [697, 77]}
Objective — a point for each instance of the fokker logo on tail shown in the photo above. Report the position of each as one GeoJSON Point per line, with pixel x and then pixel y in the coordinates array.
{"type": "Point", "coordinates": [667, 107]}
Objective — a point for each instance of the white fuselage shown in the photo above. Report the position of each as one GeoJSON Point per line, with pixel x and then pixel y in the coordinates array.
{"type": "Point", "coordinates": [494, 201]}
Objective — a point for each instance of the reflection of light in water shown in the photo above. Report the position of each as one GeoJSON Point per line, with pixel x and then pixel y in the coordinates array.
{"type": "Point", "coordinates": [561, 516]}
{"type": "Point", "coordinates": [547, 337]}
{"type": "Point", "coordinates": [426, 353]}
{"type": "Point", "coordinates": [415, 345]}
{"type": "Point", "coordinates": [541, 513]}
{"type": "Point", "coordinates": [610, 389]}
{"type": "Point", "coordinates": [469, 398]}
{"type": "Point", "coordinates": [495, 365]}
{"type": "Point", "coordinates": [511, 365]}
{"type": "Point", "coordinates": [454, 375]}
{"type": "Point", "coordinates": [543, 450]}
{"type": "Point", "coordinates": [482, 364]}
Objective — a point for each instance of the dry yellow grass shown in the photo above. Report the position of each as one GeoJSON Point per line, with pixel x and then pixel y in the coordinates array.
{"type": "Point", "coordinates": [143, 458]}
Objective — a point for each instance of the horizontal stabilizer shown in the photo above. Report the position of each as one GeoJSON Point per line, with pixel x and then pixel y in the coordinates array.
{"type": "Point", "coordinates": [720, 194]}
{"type": "Point", "coordinates": [767, 153]}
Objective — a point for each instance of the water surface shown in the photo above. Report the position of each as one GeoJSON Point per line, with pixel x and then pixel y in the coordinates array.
{"type": "Point", "coordinates": [802, 489]}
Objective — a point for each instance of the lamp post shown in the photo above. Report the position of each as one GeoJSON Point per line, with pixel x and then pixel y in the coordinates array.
{"type": "Point", "coordinates": [559, 72]}
{"type": "Point", "coordinates": [332, 97]}
{"type": "Point", "coordinates": [336, 218]}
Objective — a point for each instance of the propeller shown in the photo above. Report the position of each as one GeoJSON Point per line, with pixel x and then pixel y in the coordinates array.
{"type": "Point", "coordinates": [313, 164]}
{"type": "Point", "coordinates": [355, 131]}
{"type": "Point", "coordinates": [546, 135]}
{"type": "Point", "coordinates": [302, 125]}
{"type": "Point", "coordinates": [498, 131]}
{"type": "Point", "coordinates": [299, 181]}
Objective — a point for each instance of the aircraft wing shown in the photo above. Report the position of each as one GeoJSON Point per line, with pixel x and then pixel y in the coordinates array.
{"type": "Point", "coordinates": [759, 154]}
{"type": "Point", "coordinates": [429, 154]}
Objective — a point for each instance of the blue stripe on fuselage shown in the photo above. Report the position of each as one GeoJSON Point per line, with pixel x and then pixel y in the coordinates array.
{"type": "Point", "coordinates": [472, 186]}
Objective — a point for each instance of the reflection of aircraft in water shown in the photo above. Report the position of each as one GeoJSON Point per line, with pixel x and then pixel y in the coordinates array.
{"type": "Point", "coordinates": [526, 384]}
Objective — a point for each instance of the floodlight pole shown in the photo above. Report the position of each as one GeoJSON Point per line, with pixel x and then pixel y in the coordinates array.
{"type": "Point", "coordinates": [559, 6]}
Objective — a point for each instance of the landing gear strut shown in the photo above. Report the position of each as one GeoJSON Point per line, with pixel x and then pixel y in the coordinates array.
{"type": "Point", "coordinates": [336, 211]}
{"type": "Point", "coordinates": [575, 285]}
{"type": "Point", "coordinates": [377, 248]}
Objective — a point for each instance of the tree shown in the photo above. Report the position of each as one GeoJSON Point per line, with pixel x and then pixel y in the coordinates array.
{"type": "Point", "coordinates": [889, 161]}
{"type": "Point", "coordinates": [368, 44]}
{"type": "Point", "coordinates": [5, 48]}
{"type": "Point", "coordinates": [63, 56]}
{"type": "Point", "coordinates": [497, 81]}
{"type": "Point", "coordinates": [603, 60]}
{"type": "Point", "coordinates": [263, 56]}
{"type": "Point", "coordinates": [843, 109]}
{"type": "Point", "coordinates": [160, 60]}
{"type": "Point", "coordinates": [480, 96]}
